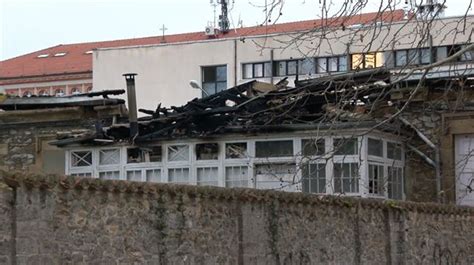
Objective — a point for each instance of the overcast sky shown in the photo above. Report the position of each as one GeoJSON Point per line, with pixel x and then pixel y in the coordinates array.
{"type": "Point", "coordinates": [30, 25]}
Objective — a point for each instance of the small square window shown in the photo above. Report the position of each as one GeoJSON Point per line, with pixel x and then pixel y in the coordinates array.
{"type": "Point", "coordinates": [375, 147]}
{"type": "Point", "coordinates": [236, 150]}
{"type": "Point", "coordinates": [109, 157]}
{"type": "Point", "coordinates": [274, 148]}
{"type": "Point", "coordinates": [178, 153]}
{"type": "Point", "coordinates": [207, 151]}
{"type": "Point", "coordinates": [81, 158]}
{"type": "Point", "coordinates": [313, 147]}
{"type": "Point", "coordinates": [346, 146]}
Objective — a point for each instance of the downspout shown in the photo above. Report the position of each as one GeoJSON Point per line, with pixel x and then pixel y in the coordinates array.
{"type": "Point", "coordinates": [437, 160]}
{"type": "Point", "coordinates": [235, 62]}
{"type": "Point", "coordinates": [271, 65]}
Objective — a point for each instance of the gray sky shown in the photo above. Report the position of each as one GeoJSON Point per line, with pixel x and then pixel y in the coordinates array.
{"type": "Point", "coordinates": [30, 25]}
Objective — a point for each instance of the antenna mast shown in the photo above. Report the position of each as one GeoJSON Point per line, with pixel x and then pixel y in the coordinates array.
{"type": "Point", "coordinates": [223, 17]}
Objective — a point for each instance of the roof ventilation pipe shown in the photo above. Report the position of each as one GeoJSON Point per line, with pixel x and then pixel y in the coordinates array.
{"type": "Point", "coordinates": [132, 104]}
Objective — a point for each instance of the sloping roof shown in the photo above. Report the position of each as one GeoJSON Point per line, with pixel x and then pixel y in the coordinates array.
{"type": "Point", "coordinates": [77, 60]}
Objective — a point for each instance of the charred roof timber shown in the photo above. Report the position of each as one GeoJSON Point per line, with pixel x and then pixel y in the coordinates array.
{"type": "Point", "coordinates": [132, 104]}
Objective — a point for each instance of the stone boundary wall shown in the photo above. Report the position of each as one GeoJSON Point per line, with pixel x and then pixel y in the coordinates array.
{"type": "Point", "coordinates": [65, 220]}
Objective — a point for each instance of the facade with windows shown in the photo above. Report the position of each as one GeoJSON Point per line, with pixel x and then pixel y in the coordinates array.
{"type": "Point", "coordinates": [366, 165]}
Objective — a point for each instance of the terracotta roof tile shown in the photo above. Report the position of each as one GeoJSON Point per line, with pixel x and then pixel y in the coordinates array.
{"type": "Point", "coordinates": [77, 61]}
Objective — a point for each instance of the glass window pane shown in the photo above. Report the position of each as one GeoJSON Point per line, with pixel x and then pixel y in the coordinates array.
{"type": "Point", "coordinates": [314, 178]}
{"type": "Point", "coordinates": [342, 63]}
{"type": "Point", "coordinates": [268, 69]}
{"type": "Point", "coordinates": [207, 176]}
{"type": "Point", "coordinates": [357, 61]}
{"type": "Point", "coordinates": [280, 68]}
{"type": "Point", "coordinates": [292, 65]}
{"type": "Point", "coordinates": [369, 60]}
{"type": "Point", "coordinates": [208, 74]}
{"type": "Point", "coordinates": [400, 58]}
{"type": "Point", "coordinates": [277, 176]}
{"type": "Point", "coordinates": [394, 151]}
{"type": "Point", "coordinates": [178, 153]}
{"type": "Point", "coordinates": [258, 70]}
{"type": "Point", "coordinates": [84, 174]}
{"type": "Point", "coordinates": [425, 56]}
{"type": "Point", "coordinates": [248, 70]}
{"type": "Point", "coordinates": [441, 53]}
{"type": "Point", "coordinates": [346, 178]}
{"type": "Point", "coordinates": [346, 146]}
{"type": "Point", "coordinates": [221, 86]}
{"type": "Point", "coordinates": [375, 147]}
{"type": "Point", "coordinates": [81, 158]}
{"type": "Point", "coordinates": [306, 66]}
{"type": "Point", "coordinates": [333, 62]}
{"type": "Point", "coordinates": [322, 65]}
{"type": "Point", "coordinates": [134, 175]}
{"type": "Point", "coordinates": [274, 148]}
{"type": "Point", "coordinates": [413, 56]}
{"type": "Point", "coordinates": [236, 150]}
{"type": "Point", "coordinates": [178, 175]}
{"type": "Point", "coordinates": [221, 73]}
{"type": "Point", "coordinates": [236, 176]}
{"type": "Point", "coordinates": [109, 157]}
{"type": "Point", "coordinates": [153, 175]}
{"type": "Point", "coordinates": [207, 151]}
{"type": "Point", "coordinates": [395, 183]}
{"type": "Point", "coordinates": [376, 180]}
{"type": "Point", "coordinates": [312, 147]}
{"type": "Point", "coordinates": [109, 175]}
{"type": "Point", "coordinates": [210, 88]}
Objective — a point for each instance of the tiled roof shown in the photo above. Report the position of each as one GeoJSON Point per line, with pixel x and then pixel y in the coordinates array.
{"type": "Point", "coordinates": [77, 60]}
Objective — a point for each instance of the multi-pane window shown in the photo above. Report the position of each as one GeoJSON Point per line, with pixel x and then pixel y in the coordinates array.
{"type": "Point", "coordinates": [346, 146]}
{"type": "Point", "coordinates": [367, 60]}
{"type": "Point", "coordinates": [84, 174]}
{"type": "Point", "coordinates": [81, 158]}
{"type": "Point", "coordinates": [178, 153]}
{"type": "Point", "coordinates": [291, 67]}
{"type": "Point", "coordinates": [134, 175]}
{"type": "Point", "coordinates": [257, 70]}
{"type": "Point", "coordinates": [332, 64]}
{"type": "Point", "coordinates": [312, 147]}
{"type": "Point", "coordinates": [153, 175]}
{"type": "Point", "coordinates": [376, 180]}
{"type": "Point", "coordinates": [346, 177]}
{"type": "Point", "coordinates": [274, 148]}
{"type": "Point", "coordinates": [214, 79]}
{"type": "Point", "coordinates": [207, 176]}
{"type": "Point", "coordinates": [280, 68]}
{"type": "Point", "coordinates": [236, 176]}
{"type": "Point", "coordinates": [375, 147]}
{"type": "Point", "coordinates": [236, 150]}
{"type": "Point", "coordinates": [314, 178]}
{"type": "Point", "coordinates": [114, 174]}
{"type": "Point", "coordinates": [278, 176]}
{"type": "Point", "coordinates": [413, 57]}
{"type": "Point", "coordinates": [395, 183]}
{"type": "Point", "coordinates": [178, 175]}
{"type": "Point", "coordinates": [306, 66]}
{"type": "Point", "coordinates": [109, 157]}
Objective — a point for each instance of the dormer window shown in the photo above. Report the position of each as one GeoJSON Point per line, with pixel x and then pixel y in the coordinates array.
{"type": "Point", "coordinates": [88, 52]}
{"type": "Point", "coordinates": [42, 55]}
{"type": "Point", "coordinates": [59, 54]}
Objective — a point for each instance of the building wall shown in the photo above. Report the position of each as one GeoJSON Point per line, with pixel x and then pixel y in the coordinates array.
{"type": "Point", "coordinates": [164, 71]}
{"type": "Point", "coordinates": [51, 220]}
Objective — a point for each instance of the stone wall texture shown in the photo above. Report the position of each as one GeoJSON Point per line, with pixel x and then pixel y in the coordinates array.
{"type": "Point", "coordinates": [64, 220]}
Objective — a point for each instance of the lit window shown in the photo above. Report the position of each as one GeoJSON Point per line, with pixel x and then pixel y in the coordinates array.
{"type": "Point", "coordinates": [394, 151]}
{"type": "Point", "coordinates": [375, 147]}
{"type": "Point", "coordinates": [346, 146]}
{"type": "Point", "coordinates": [311, 147]}
{"type": "Point", "coordinates": [153, 175]}
{"type": "Point", "coordinates": [236, 176]}
{"type": "Point", "coordinates": [178, 175]}
{"type": "Point", "coordinates": [109, 175]}
{"type": "Point", "coordinates": [236, 150]}
{"type": "Point", "coordinates": [367, 60]}
{"type": "Point", "coordinates": [376, 180]}
{"type": "Point", "coordinates": [314, 178]}
{"type": "Point", "coordinates": [274, 148]}
{"type": "Point", "coordinates": [134, 175]}
{"type": "Point", "coordinates": [81, 158]}
{"type": "Point", "coordinates": [207, 151]}
{"type": "Point", "coordinates": [346, 177]}
{"type": "Point", "coordinates": [109, 157]}
{"type": "Point", "coordinates": [214, 79]}
{"type": "Point", "coordinates": [207, 176]}
{"type": "Point", "coordinates": [178, 153]}
{"type": "Point", "coordinates": [395, 183]}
